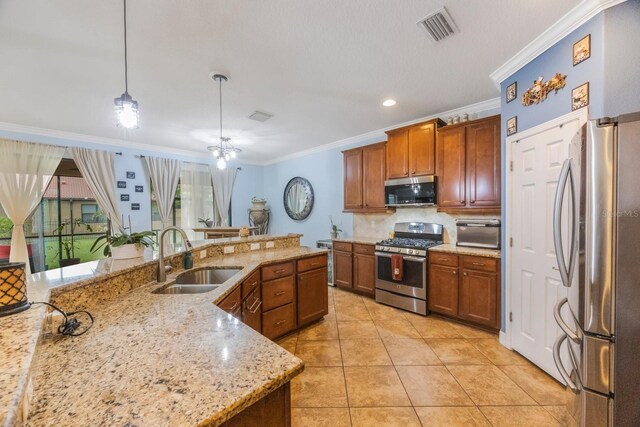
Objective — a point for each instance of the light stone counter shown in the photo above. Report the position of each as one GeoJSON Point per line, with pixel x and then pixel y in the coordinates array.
{"type": "Point", "coordinates": [20, 333]}
{"type": "Point", "coordinates": [360, 240]}
{"type": "Point", "coordinates": [460, 250]}
{"type": "Point", "coordinates": [163, 360]}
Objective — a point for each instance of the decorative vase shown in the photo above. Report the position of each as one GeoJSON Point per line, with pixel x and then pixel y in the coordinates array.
{"type": "Point", "coordinates": [334, 235]}
{"type": "Point", "coordinates": [258, 211]}
{"type": "Point", "coordinates": [128, 251]}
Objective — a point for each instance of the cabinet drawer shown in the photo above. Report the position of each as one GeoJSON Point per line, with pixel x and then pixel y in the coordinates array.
{"type": "Point", "coordinates": [480, 263]}
{"type": "Point", "coordinates": [250, 283]}
{"type": "Point", "coordinates": [364, 249]}
{"type": "Point", "coordinates": [441, 258]}
{"type": "Point", "coordinates": [232, 301]}
{"type": "Point", "coordinates": [279, 321]}
{"type": "Point", "coordinates": [275, 271]}
{"type": "Point", "coordinates": [311, 263]}
{"type": "Point", "coordinates": [278, 292]}
{"type": "Point", "coordinates": [342, 246]}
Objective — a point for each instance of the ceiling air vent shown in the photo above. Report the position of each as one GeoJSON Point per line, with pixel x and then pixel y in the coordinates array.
{"type": "Point", "coordinates": [260, 116]}
{"type": "Point", "coordinates": [438, 25]}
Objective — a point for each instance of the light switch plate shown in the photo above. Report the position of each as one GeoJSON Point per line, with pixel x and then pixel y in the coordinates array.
{"type": "Point", "coordinates": [203, 253]}
{"type": "Point", "coordinates": [229, 249]}
{"type": "Point", "coordinates": [270, 245]}
{"type": "Point", "coordinates": [255, 246]}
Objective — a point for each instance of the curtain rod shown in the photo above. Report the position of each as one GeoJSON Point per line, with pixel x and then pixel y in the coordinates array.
{"type": "Point", "coordinates": [141, 156]}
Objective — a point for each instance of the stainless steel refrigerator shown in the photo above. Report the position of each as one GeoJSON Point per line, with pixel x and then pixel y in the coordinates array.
{"type": "Point", "coordinates": [598, 252]}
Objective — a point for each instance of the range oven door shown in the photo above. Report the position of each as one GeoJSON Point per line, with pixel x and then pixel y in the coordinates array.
{"type": "Point", "coordinates": [414, 280]}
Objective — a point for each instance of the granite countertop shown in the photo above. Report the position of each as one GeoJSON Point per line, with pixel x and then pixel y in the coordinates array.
{"type": "Point", "coordinates": [154, 359]}
{"type": "Point", "coordinates": [360, 239]}
{"type": "Point", "coordinates": [460, 250]}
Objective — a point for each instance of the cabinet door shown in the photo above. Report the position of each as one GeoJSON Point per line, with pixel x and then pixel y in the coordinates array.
{"type": "Point", "coordinates": [252, 310]}
{"type": "Point", "coordinates": [483, 164]}
{"type": "Point", "coordinates": [374, 175]}
{"type": "Point", "coordinates": [231, 303]}
{"type": "Point", "coordinates": [451, 168]}
{"type": "Point", "coordinates": [398, 154]}
{"type": "Point", "coordinates": [422, 150]}
{"type": "Point", "coordinates": [313, 296]}
{"type": "Point", "coordinates": [443, 290]}
{"type": "Point", "coordinates": [343, 269]}
{"type": "Point", "coordinates": [364, 275]}
{"type": "Point", "coordinates": [352, 179]}
{"type": "Point", "coordinates": [478, 298]}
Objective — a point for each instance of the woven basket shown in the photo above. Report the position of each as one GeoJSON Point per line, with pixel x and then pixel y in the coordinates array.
{"type": "Point", "coordinates": [13, 288]}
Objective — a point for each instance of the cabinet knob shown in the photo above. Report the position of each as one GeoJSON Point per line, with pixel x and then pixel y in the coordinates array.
{"type": "Point", "coordinates": [455, 272]}
{"type": "Point", "coordinates": [464, 274]}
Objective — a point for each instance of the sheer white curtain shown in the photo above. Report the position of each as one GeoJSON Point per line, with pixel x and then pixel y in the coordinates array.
{"type": "Point", "coordinates": [196, 197]}
{"type": "Point", "coordinates": [98, 170]}
{"type": "Point", "coordinates": [25, 172]}
{"type": "Point", "coordinates": [223, 181]}
{"type": "Point", "coordinates": [165, 176]}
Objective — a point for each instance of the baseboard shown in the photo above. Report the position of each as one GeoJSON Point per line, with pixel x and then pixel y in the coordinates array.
{"type": "Point", "coordinates": [504, 340]}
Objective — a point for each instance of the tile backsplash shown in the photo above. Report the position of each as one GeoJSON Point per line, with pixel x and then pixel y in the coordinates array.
{"type": "Point", "coordinates": [379, 225]}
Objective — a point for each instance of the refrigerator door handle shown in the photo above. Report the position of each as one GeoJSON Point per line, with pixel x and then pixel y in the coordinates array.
{"type": "Point", "coordinates": [558, 361]}
{"type": "Point", "coordinates": [566, 270]}
{"type": "Point", "coordinates": [573, 336]}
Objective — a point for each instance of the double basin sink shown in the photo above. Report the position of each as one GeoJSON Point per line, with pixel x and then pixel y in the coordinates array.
{"type": "Point", "coordinates": [198, 281]}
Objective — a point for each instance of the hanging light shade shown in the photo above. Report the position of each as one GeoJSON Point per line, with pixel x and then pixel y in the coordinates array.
{"type": "Point", "coordinates": [224, 150]}
{"type": "Point", "coordinates": [126, 109]}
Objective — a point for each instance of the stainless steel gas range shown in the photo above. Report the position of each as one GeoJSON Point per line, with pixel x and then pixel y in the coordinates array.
{"type": "Point", "coordinates": [402, 267]}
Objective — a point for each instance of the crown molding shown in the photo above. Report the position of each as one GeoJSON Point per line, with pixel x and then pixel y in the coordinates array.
{"type": "Point", "coordinates": [573, 19]}
{"type": "Point", "coordinates": [478, 107]}
{"type": "Point", "coordinates": [78, 137]}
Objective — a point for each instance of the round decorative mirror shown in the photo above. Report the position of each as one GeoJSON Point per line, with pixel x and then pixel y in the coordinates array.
{"type": "Point", "coordinates": [298, 198]}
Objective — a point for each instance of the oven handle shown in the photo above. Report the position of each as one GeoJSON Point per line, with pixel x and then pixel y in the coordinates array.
{"type": "Point", "coordinates": [408, 258]}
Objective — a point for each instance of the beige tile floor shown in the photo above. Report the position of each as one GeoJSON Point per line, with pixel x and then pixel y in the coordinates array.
{"type": "Point", "coordinates": [372, 365]}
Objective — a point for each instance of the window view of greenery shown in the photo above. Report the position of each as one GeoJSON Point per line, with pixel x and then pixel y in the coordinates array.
{"type": "Point", "coordinates": [63, 227]}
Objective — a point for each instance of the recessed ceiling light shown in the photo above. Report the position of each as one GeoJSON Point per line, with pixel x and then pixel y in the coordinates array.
{"type": "Point", "coordinates": [389, 103]}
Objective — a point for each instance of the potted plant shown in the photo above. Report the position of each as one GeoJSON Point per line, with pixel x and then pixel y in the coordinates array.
{"type": "Point", "coordinates": [335, 229]}
{"type": "Point", "coordinates": [207, 222]}
{"type": "Point", "coordinates": [68, 247]}
{"type": "Point", "coordinates": [123, 245]}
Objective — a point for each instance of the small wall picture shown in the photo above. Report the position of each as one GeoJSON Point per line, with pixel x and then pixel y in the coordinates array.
{"type": "Point", "coordinates": [122, 184]}
{"type": "Point", "coordinates": [135, 206]}
{"type": "Point", "coordinates": [131, 175]}
{"type": "Point", "coordinates": [512, 92]}
{"type": "Point", "coordinates": [124, 197]}
{"type": "Point", "coordinates": [580, 96]}
{"type": "Point", "coordinates": [139, 189]}
{"type": "Point", "coordinates": [512, 125]}
{"type": "Point", "coordinates": [582, 50]}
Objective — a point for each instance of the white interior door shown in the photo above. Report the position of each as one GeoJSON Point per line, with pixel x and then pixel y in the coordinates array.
{"type": "Point", "coordinates": [535, 282]}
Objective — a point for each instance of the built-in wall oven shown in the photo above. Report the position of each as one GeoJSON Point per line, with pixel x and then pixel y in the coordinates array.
{"type": "Point", "coordinates": [402, 268]}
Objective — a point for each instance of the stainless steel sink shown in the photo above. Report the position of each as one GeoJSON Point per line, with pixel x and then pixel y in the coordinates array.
{"type": "Point", "coordinates": [186, 289]}
{"type": "Point", "coordinates": [206, 276]}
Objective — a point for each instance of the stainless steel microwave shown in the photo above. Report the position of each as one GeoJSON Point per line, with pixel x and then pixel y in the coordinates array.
{"type": "Point", "coordinates": [420, 191]}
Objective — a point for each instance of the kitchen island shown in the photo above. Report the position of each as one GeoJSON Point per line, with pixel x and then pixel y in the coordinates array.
{"type": "Point", "coordinates": [157, 359]}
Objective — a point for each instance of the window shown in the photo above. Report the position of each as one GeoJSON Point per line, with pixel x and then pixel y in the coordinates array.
{"type": "Point", "coordinates": [92, 214]}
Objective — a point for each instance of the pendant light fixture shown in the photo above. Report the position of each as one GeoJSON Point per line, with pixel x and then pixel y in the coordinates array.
{"type": "Point", "coordinates": [223, 151]}
{"type": "Point", "coordinates": [126, 109]}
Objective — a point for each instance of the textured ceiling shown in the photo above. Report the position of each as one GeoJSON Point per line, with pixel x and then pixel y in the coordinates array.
{"type": "Point", "coordinates": [322, 68]}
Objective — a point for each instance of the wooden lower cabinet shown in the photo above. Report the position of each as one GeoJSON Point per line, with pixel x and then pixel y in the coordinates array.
{"type": "Point", "coordinates": [231, 302]}
{"type": "Point", "coordinates": [343, 269]}
{"type": "Point", "coordinates": [470, 292]}
{"type": "Point", "coordinates": [443, 289]}
{"type": "Point", "coordinates": [279, 321]}
{"type": "Point", "coordinates": [364, 277]}
{"type": "Point", "coordinates": [479, 297]}
{"type": "Point", "coordinates": [313, 296]}
{"type": "Point", "coordinates": [273, 410]}
{"type": "Point", "coordinates": [252, 310]}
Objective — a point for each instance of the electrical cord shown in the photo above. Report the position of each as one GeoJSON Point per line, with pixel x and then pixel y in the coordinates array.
{"type": "Point", "coordinates": [71, 324]}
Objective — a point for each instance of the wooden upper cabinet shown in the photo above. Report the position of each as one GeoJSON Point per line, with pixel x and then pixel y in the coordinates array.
{"type": "Point", "coordinates": [469, 166]}
{"type": "Point", "coordinates": [451, 168]}
{"type": "Point", "coordinates": [422, 150]}
{"type": "Point", "coordinates": [398, 154]}
{"type": "Point", "coordinates": [353, 179]}
{"type": "Point", "coordinates": [364, 175]}
{"type": "Point", "coordinates": [373, 161]}
{"type": "Point", "coordinates": [411, 150]}
{"type": "Point", "coordinates": [483, 164]}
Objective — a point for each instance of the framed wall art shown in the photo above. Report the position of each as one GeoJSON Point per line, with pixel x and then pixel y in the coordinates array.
{"type": "Point", "coordinates": [512, 92]}
{"type": "Point", "coordinates": [582, 50]}
{"type": "Point", "coordinates": [122, 184]}
{"type": "Point", "coordinates": [580, 96]}
{"type": "Point", "coordinates": [124, 197]}
{"type": "Point", "coordinates": [512, 125]}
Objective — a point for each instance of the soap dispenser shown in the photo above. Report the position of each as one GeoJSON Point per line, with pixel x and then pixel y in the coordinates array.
{"type": "Point", "coordinates": [187, 260]}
